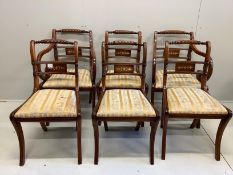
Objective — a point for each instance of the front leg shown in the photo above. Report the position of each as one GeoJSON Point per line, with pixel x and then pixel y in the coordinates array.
{"type": "Point", "coordinates": [221, 128]}
{"type": "Point", "coordinates": [19, 132]}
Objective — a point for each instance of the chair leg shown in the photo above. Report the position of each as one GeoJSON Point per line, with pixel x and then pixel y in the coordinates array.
{"type": "Point", "coordinates": [19, 132]}
{"type": "Point", "coordinates": [93, 98]}
{"type": "Point", "coordinates": [99, 123]}
{"type": "Point", "coordinates": [194, 123]}
{"type": "Point", "coordinates": [90, 97]}
{"type": "Point", "coordinates": [79, 142]}
{"type": "Point", "coordinates": [164, 137]}
{"type": "Point", "coordinates": [98, 90]}
{"type": "Point", "coordinates": [154, 126]}
{"type": "Point", "coordinates": [147, 89]}
{"type": "Point", "coordinates": [162, 116]}
{"type": "Point", "coordinates": [96, 137]}
{"type": "Point", "coordinates": [142, 124]}
{"type": "Point", "coordinates": [47, 123]}
{"type": "Point", "coordinates": [221, 128]}
{"type": "Point", "coordinates": [199, 124]}
{"type": "Point", "coordinates": [137, 126]}
{"type": "Point", "coordinates": [152, 97]}
{"type": "Point", "coordinates": [43, 125]}
{"type": "Point", "coordinates": [105, 126]}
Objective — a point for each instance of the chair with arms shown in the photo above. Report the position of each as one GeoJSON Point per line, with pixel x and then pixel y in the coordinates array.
{"type": "Point", "coordinates": [191, 102]}
{"type": "Point", "coordinates": [177, 53]}
{"type": "Point", "coordinates": [124, 104]}
{"type": "Point", "coordinates": [49, 105]}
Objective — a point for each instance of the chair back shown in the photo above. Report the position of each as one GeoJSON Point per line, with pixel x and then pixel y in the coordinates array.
{"type": "Point", "coordinates": [124, 35]}
{"type": "Point", "coordinates": [184, 66]}
{"type": "Point", "coordinates": [87, 56]}
{"type": "Point", "coordinates": [177, 52]}
{"type": "Point", "coordinates": [43, 68]}
{"type": "Point", "coordinates": [123, 65]}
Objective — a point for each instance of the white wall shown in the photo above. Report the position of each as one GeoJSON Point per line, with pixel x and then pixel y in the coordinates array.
{"type": "Point", "coordinates": [24, 20]}
{"type": "Point", "coordinates": [216, 25]}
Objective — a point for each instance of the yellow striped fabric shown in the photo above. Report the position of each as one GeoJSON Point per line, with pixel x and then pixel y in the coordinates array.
{"type": "Point", "coordinates": [65, 80]}
{"type": "Point", "coordinates": [176, 80]}
{"type": "Point", "coordinates": [120, 81]}
{"type": "Point", "coordinates": [49, 103]}
{"type": "Point", "coordinates": [192, 101]}
{"type": "Point", "coordinates": [125, 103]}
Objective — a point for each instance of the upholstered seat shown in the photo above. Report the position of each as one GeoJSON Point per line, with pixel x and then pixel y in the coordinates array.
{"type": "Point", "coordinates": [65, 80]}
{"type": "Point", "coordinates": [176, 80]}
{"type": "Point", "coordinates": [125, 103]}
{"type": "Point", "coordinates": [49, 103]}
{"type": "Point", "coordinates": [122, 81]}
{"type": "Point", "coordinates": [192, 101]}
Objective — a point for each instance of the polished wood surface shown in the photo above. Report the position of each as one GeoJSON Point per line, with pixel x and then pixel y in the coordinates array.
{"type": "Point", "coordinates": [225, 118]}
{"type": "Point", "coordinates": [38, 74]}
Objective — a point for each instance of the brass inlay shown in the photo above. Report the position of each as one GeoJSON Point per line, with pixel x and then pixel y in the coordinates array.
{"type": "Point", "coordinates": [70, 51]}
{"type": "Point", "coordinates": [185, 67]}
{"type": "Point", "coordinates": [173, 52]}
{"type": "Point", "coordinates": [56, 68]}
{"type": "Point", "coordinates": [123, 68]}
{"type": "Point", "coordinates": [123, 52]}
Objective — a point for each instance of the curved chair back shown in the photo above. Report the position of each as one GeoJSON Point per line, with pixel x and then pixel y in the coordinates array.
{"type": "Point", "coordinates": [124, 35]}
{"type": "Point", "coordinates": [126, 66]}
{"type": "Point", "coordinates": [183, 66]}
{"type": "Point", "coordinates": [86, 50]}
{"type": "Point", "coordinates": [43, 69]}
{"type": "Point", "coordinates": [178, 52]}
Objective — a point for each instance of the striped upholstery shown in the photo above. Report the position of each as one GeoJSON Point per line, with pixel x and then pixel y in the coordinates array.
{"type": "Point", "coordinates": [192, 101]}
{"type": "Point", "coordinates": [125, 103]}
{"type": "Point", "coordinates": [176, 80]}
{"type": "Point", "coordinates": [49, 103]}
{"type": "Point", "coordinates": [120, 81]}
{"type": "Point", "coordinates": [65, 80]}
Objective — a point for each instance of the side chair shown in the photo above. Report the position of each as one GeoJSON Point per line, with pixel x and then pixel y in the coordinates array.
{"type": "Point", "coordinates": [119, 52]}
{"type": "Point", "coordinates": [120, 104]}
{"type": "Point", "coordinates": [87, 61]}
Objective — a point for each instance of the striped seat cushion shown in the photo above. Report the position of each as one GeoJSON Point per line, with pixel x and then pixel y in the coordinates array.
{"type": "Point", "coordinates": [125, 103]}
{"type": "Point", "coordinates": [122, 81]}
{"type": "Point", "coordinates": [192, 101]}
{"type": "Point", "coordinates": [65, 80]}
{"type": "Point", "coordinates": [49, 103]}
{"type": "Point", "coordinates": [176, 80]}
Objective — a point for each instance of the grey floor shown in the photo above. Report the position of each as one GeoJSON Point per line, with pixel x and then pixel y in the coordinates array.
{"type": "Point", "coordinates": [122, 150]}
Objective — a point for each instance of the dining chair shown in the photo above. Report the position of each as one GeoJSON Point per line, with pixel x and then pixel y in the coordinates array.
{"type": "Point", "coordinates": [124, 104]}
{"type": "Point", "coordinates": [122, 52]}
{"type": "Point", "coordinates": [190, 102]}
{"type": "Point", "coordinates": [87, 61]}
{"type": "Point", "coordinates": [177, 53]}
{"type": "Point", "coordinates": [49, 105]}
